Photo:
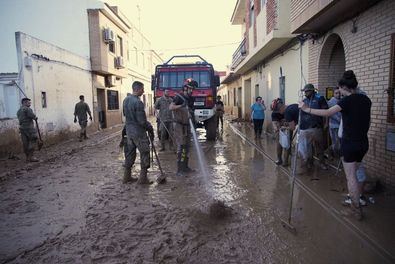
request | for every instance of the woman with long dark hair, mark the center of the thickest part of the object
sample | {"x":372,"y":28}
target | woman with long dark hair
{"x":355,"y":109}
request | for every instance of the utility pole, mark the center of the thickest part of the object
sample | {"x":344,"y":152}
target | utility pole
{"x":139,"y":16}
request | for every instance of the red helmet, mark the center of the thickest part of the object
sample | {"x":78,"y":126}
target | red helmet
{"x":190,"y":83}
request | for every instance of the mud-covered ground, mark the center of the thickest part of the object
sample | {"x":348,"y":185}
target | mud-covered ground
{"x":73,"y":208}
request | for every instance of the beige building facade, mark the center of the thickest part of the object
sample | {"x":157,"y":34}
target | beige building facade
{"x":120,"y":55}
{"x":359,"y":36}
{"x":94,"y":51}
{"x":270,"y":61}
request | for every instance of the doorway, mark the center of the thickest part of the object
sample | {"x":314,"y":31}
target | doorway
{"x":101,"y":107}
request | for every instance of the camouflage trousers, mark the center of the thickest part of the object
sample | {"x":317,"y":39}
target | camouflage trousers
{"x":83,"y":124}
{"x":182,"y":136}
{"x":165,"y":129}
{"x":142,"y":145}
{"x":29,"y":139}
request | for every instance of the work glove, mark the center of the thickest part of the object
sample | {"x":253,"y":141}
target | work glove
{"x":75,"y":120}
{"x":122,"y":143}
{"x":90,"y":118}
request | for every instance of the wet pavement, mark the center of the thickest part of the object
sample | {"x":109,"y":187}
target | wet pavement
{"x":73,"y":208}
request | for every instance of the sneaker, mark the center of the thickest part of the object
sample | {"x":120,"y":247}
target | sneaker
{"x":278,"y":162}
{"x":323,"y":166}
{"x":362,"y":200}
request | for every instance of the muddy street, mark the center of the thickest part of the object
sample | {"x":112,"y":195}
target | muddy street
{"x":73,"y":208}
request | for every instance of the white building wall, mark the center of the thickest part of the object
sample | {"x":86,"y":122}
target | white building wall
{"x":289,"y":61}
{"x":267,"y":77}
{"x":62,"y":23}
{"x":62,"y":75}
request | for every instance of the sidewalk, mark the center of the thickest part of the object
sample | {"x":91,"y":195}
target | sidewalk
{"x":376,"y":229}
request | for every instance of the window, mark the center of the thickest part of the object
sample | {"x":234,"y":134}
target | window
{"x":256,"y":90}
{"x":120,"y":45}
{"x":234,"y":97}
{"x":252,"y":16}
{"x":10,"y":101}
{"x":112,"y":100}
{"x":44,"y":99}
{"x":127,"y":51}
{"x":176,"y":79}
{"x":282,"y":87}
{"x":391,"y":85}
{"x":136,"y":59}
{"x":111,"y":47}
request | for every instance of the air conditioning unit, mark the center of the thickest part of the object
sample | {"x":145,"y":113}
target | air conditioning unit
{"x":109,"y":36}
{"x":119,"y":64}
{"x":111,"y":80}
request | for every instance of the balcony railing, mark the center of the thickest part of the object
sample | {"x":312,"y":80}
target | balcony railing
{"x":239,"y":54}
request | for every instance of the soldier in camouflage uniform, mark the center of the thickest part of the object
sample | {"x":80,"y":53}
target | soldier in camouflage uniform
{"x":81,"y":110}
{"x":182,"y":106}
{"x":165,"y":117}
{"x":26,"y":128}
{"x":136,"y":130}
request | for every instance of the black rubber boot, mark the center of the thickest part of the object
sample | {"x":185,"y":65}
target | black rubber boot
{"x":180,"y":171}
{"x":127,"y":176}
{"x":186,"y":167}
{"x":143,"y":179}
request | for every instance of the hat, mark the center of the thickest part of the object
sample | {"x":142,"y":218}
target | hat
{"x":308,"y":87}
{"x":25,"y":99}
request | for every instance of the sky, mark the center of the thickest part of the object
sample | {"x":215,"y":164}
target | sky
{"x":179,"y":27}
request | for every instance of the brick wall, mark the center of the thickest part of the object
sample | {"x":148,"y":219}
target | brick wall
{"x":298,"y":6}
{"x":271,"y":15}
{"x":247,"y":23}
{"x":331,"y":63}
{"x":367,"y":53}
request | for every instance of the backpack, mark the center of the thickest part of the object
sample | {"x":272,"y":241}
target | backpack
{"x":275,"y":103}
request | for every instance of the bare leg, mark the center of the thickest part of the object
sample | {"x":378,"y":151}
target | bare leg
{"x":350,"y":169}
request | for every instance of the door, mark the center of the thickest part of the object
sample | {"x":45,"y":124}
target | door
{"x":282,"y":87}
{"x":101,"y":107}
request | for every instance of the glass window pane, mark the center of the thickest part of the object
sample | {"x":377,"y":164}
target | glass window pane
{"x":195,"y":76}
{"x":180,"y":79}
{"x":173,"y":79}
{"x":188,"y":75}
{"x":164,"y":80}
{"x":204,"y":80}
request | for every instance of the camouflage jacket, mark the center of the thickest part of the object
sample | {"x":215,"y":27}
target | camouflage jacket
{"x":162,"y":104}
{"x":81,"y":110}
{"x":26,"y":116}
{"x":136,"y":120}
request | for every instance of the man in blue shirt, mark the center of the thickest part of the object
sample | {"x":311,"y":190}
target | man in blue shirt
{"x":311,"y":130}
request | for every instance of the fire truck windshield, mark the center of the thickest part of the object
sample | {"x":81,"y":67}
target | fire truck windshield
{"x":175,"y":80}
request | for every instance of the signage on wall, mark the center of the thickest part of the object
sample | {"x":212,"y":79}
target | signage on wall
{"x":329,"y":92}
{"x":390,"y":140}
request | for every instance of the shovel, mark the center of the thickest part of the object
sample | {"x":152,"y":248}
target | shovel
{"x":162,"y":177}
{"x":40,"y":142}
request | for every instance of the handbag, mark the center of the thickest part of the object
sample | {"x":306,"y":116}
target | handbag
{"x":284,"y":138}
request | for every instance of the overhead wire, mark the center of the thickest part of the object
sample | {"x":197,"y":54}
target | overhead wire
{"x":195,"y":48}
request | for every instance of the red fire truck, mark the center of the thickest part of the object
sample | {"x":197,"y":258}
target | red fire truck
{"x":171,"y":76}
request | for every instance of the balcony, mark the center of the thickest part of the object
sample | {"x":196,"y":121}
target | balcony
{"x":319,"y":16}
{"x":239,"y":54}
{"x":269,"y":33}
